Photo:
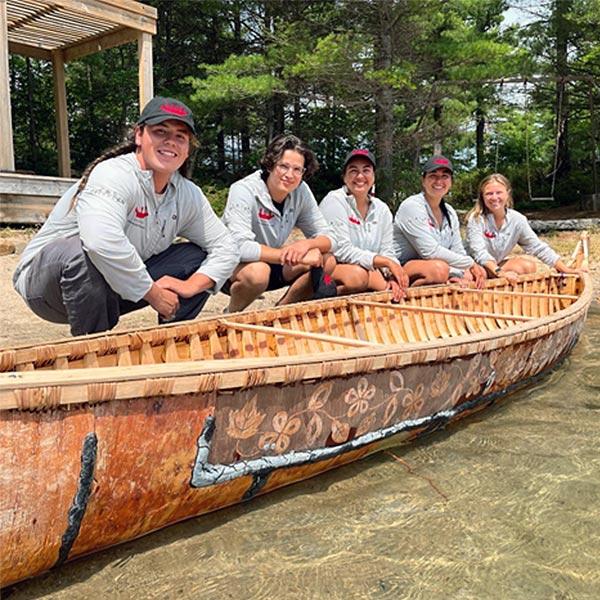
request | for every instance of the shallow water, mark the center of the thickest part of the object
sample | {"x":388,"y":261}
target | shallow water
{"x":504,"y":505}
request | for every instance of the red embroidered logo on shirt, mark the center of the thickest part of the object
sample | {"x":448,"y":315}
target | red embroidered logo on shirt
{"x":431,"y":223}
{"x":489,"y":234}
{"x":265,"y":214}
{"x":354,"y":220}
{"x":141,"y":213}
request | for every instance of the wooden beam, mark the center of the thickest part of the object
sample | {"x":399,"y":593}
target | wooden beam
{"x":522,"y":294}
{"x":332,"y":339}
{"x":31,"y":51}
{"x":146,"y":79}
{"x":62,"y":123}
{"x":127,"y":14}
{"x":99,"y":43}
{"x":444,"y":311}
{"x":34,"y":185}
{"x":133,"y":6}
{"x":7,"y":155}
{"x":32,"y":17}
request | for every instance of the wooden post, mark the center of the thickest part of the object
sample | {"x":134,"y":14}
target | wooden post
{"x":146,"y":80}
{"x":7,"y":155}
{"x":62,"y":123}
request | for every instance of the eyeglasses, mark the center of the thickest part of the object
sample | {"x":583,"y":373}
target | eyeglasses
{"x":283,"y":169}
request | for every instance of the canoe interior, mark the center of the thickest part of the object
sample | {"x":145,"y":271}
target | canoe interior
{"x":336,"y":323}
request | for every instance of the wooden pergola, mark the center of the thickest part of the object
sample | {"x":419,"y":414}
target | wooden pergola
{"x":61,"y":31}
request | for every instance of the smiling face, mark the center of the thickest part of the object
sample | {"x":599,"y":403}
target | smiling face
{"x":162,"y":149}
{"x":436,"y":184}
{"x":359,"y":177}
{"x":496,"y":197}
{"x":286,"y":175}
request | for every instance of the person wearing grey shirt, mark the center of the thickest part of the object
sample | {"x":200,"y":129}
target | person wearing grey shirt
{"x":107,"y":246}
{"x":427,"y":237}
{"x":262,"y":210}
{"x":363,"y":229}
{"x":494,"y":228}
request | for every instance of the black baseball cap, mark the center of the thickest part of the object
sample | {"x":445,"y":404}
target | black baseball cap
{"x":359,"y":153}
{"x":437,"y":162}
{"x":161,"y":109}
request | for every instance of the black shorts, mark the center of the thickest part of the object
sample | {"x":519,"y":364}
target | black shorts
{"x":276,"y":280}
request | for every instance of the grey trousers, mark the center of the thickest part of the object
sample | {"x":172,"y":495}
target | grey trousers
{"x":64,"y":286}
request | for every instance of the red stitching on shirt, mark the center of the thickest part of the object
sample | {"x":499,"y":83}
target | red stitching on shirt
{"x":141,"y":213}
{"x":353,"y":220}
{"x":265,"y":214}
{"x":489,"y":234}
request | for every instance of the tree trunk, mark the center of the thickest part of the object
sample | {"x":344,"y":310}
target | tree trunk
{"x":221,"y":164}
{"x":31,"y":121}
{"x":437,"y":119}
{"x":562,"y":163}
{"x":384,"y":105}
{"x":479,"y":136}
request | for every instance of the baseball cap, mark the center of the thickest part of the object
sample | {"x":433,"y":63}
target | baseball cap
{"x":161,"y":109}
{"x":359,"y":153}
{"x":437,"y":162}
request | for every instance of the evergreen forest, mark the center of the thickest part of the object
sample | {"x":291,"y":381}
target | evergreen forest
{"x":495,"y":85}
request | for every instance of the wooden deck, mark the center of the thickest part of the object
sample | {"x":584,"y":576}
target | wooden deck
{"x":28,"y":199}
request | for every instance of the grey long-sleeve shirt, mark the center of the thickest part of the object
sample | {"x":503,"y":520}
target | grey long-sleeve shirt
{"x":417,"y":235}
{"x":122,"y":223}
{"x":358,"y":240}
{"x":488,"y":243}
{"x":253,"y":219}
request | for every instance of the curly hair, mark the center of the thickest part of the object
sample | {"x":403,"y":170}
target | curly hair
{"x":480,"y":208}
{"x":125,"y":147}
{"x":278,"y":145}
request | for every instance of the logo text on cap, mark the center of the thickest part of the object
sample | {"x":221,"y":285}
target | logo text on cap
{"x":174,"y":109}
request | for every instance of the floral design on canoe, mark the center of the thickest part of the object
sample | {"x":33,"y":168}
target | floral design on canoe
{"x":263,"y":421}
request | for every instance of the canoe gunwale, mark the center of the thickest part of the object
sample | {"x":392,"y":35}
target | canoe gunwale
{"x":30,"y":390}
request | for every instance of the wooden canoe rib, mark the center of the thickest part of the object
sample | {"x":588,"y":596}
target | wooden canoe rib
{"x":199,"y":415}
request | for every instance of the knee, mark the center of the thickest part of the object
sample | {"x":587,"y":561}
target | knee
{"x":254,"y":276}
{"x":439,"y":271}
{"x":528,"y":267}
{"x":354,"y":279}
{"x":520,"y":266}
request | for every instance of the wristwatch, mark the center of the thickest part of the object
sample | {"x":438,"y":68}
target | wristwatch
{"x":497,"y":270}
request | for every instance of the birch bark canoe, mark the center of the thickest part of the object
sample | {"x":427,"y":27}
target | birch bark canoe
{"x":107,"y":437}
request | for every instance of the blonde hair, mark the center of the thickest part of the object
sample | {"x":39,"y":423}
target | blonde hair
{"x":480,"y":208}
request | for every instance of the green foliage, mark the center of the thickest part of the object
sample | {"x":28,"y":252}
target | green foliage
{"x":217,"y":196}
{"x":401,"y":77}
{"x":238,"y":79}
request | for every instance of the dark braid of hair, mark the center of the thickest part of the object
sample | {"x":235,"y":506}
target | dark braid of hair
{"x":123,"y":148}
{"x":126,"y":147}
{"x":444,"y":210}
